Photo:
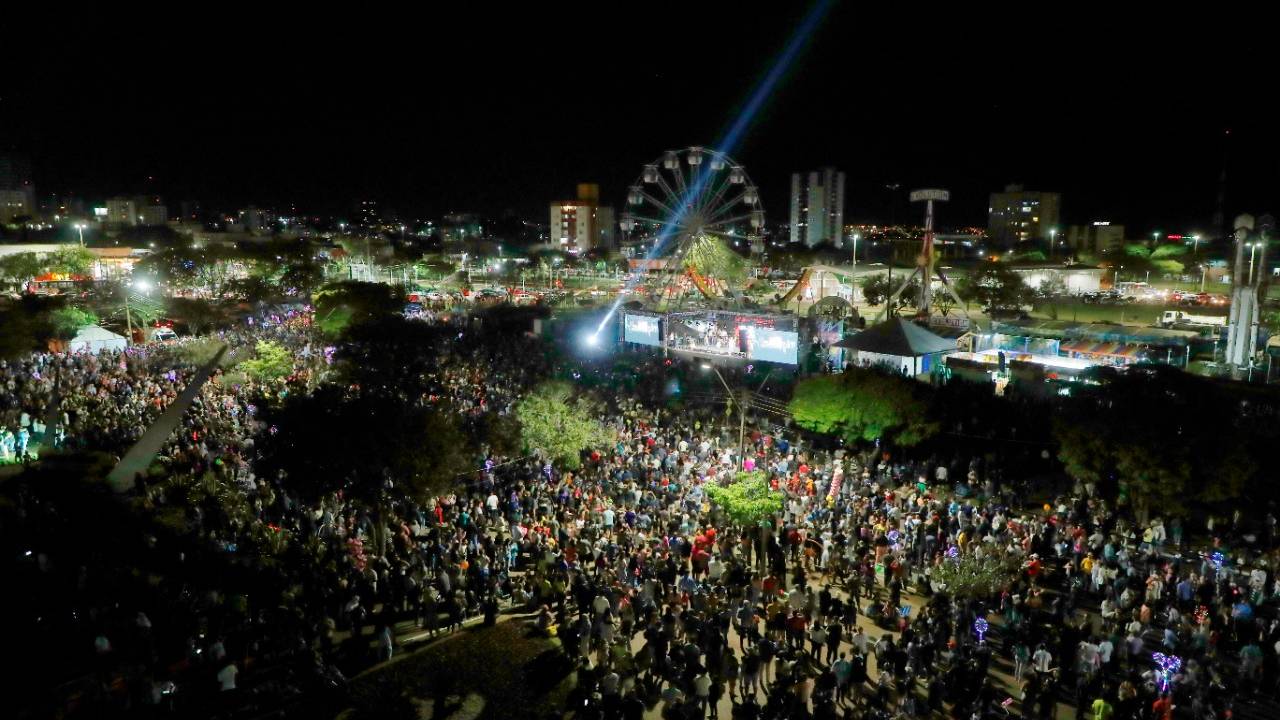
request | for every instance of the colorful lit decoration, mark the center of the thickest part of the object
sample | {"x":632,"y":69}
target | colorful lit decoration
{"x":1218,"y":559}
{"x":1202,"y":614}
{"x":980,"y":627}
{"x":953,"y":552}
{"x":1167,"y":666}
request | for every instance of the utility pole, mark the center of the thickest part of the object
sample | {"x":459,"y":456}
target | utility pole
{"x":742,"y":417}
{"x":128,"y":317}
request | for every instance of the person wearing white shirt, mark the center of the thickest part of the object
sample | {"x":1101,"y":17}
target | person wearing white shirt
{"x":715,"y":568}
{"x":1041,"y":660}
{"x":227,"y":677}
{"x":702,"y":689}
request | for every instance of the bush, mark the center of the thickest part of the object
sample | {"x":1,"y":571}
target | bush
{"x":271,"y":362}
{"x":748,"y":500}
{"x":969,"y":577}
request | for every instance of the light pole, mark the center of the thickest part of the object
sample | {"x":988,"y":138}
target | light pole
{"x":143,"y":286}
{"x":1053,"y":235}
{"x":742,"y":417}
{"x":1204,"y":269}
{"x":1253,"y":246}
{"x":80,"y":228}
{"x":856,"y":237}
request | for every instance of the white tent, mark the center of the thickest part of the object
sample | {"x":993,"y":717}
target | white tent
{"x":94,"y":339}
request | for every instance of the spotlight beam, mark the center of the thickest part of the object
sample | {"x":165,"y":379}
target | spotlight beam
{"x":729,"y":141}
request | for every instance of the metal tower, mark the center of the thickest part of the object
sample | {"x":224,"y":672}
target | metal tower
{"x":925,"y":268}
{"x":1246,"y":282}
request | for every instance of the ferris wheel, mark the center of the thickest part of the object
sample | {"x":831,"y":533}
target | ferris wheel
{"x":687,"y":194}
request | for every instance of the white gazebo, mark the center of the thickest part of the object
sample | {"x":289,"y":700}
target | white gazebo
{"x":94,"y":339}
{"x":899,"y":344}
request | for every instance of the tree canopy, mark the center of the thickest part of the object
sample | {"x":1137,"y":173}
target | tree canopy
{"x":970,"y":577}
{"x":996,"y":287}
{"x":330,"y":441}
{"x":877,"y":289}
{"x":343,"y":303}
{"x":271,"y":362}
{"x":28,"y":324}
{"x":864,"y":405}
{"x":748,"y":500}
{"x":711,"y":257}
{"x":560,"y":424}
{"x":20,"y":268}
{"x":1195,"y":439}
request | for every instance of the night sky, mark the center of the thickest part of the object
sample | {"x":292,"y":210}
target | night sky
{"x":504,"y":110}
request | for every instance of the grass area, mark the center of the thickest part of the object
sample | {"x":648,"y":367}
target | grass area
{"x":1135,"y":314}
{"x":516,"y":672}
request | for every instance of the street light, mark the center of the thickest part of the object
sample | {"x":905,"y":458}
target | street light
{"x":143,"y":286}
{"x":80,"y":228}
{"x":1053,"y":235}
{"x":856,"y":237}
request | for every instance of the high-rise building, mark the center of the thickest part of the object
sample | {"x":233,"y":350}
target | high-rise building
{"x":121,"y":211}
{"x":253,"y":220}
{"x":817,"y":208}
{"x":1017,"y":215}
{"x":191,"y":211}
{"x":17,"y":190}
{"x":13,"y":204}
{"x":583,"y":224}
{"x":153,"y":215}
{"x":1097,"y":237}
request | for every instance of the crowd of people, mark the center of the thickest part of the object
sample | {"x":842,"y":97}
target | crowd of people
{"x":838,"y":608}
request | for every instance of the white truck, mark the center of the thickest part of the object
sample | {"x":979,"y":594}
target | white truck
{"x":1178,"y":317}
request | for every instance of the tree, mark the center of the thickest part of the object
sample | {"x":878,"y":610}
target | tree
{"x":20,"y":268}
{"x":70,"y":260}
{"x":301,"y":277}
{"x":391,"y":354}
{"x":342,"y":303}
{"x":68,"y":320}
{"x":748,"y":500}
{"x":864,"y":405}
{"x":559,"y":425}
{"x":329,"y":441}
{"x":943,"y":303}
{"x":30,"y":322}
{"x":19,"y":333}
{"x":271,"y":362}
{"x":877,"y":289}
{"x":970,"y":577}
{"x":997,"y":288}
{"x":199,"y":315}
{"x":1196,"y":442}
{"x":711,"y":257}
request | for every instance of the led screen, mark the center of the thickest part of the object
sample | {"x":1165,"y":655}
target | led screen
{"x":771,"y":345}
{"x":641,"y":329}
